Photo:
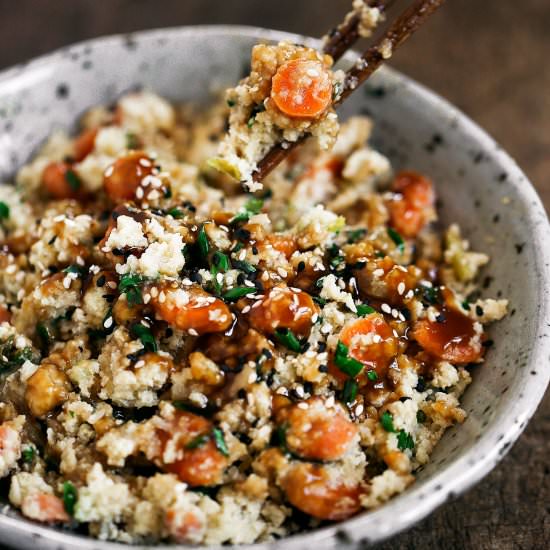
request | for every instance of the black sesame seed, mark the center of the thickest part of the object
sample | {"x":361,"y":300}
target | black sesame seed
{"x":479,"y":311}
{"x":109,"y":298}
{"x":301,"y":267}
{"x":321,"y":347}
{"x":308,"y":387}
{"x":241,"y":394}
{"x":323,"y":368}
{"x":255,"y":250}
{"x":118,"y":252}
{"x":519,"y":247}
{"x":100,"y":281}
{"x":441,"y":318}
{"x":169,"y":332}
{"x":62,"y":91}
{"x":241,"y":279}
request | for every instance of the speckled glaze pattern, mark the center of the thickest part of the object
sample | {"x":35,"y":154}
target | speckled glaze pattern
{"x":480,"y":187}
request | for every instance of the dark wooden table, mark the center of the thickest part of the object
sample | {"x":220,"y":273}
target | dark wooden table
{"x":490,"y":58}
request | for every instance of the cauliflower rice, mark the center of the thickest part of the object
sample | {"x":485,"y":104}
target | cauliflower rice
{"x":184,"y":362}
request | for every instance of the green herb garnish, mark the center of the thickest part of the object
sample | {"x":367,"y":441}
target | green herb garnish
{"x":132,"y":141}
{"x":198,"y":441}
{"x":387,"y":421}
{"x":243,"y":265}
{"x":145,"y":335}
{"x":27,"y":454}
{"x":372,"y":376}
{"x":421,"y":416}
{"x":237,"y":292}
{"x":404,"y":440}
{"x":4,"y":211}
{"x":364,"y":309}
{"x":221,"y":261}
{"x":288,"y":339}
{"x":44,"y":336}
{"x":397,"y":239}
{"x":252,"y":207}
{"x":345,"y":363}
{"x":70,"y":497}
{"x":73,"y":180}
{"x":349,"y":392}
{"x":355,"y":235}
{"x":175,"y":213}
{"x":130,"y":285}
{"x":219,"y":441}
{"x":202,"y":239}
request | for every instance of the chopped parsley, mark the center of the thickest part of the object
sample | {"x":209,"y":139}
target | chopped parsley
{"x":345,"y":363}
{"x":73,"y":180}
{"x":237,"y":292}
{"x":288,"y":339}
{"x":145,"y":335}
{"x":219,"y":441}
{"x":4,"y":211}
{"x":364,"y":309}
{"x":349,"y":392}
{"x":252,"y":207}
{"x":397,"y":239}
{"x":70,"y":497}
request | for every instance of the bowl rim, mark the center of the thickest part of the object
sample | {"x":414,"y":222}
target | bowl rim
{"x":416,"y":502}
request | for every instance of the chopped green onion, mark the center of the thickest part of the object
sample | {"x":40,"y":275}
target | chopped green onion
{"x":202,"y":239}
{"x":404,"y":440}
{"x":175,"y":213}
{"x":219,"y":441}
{"x":79,"y":270}
{"x":321,"y":301}
{"x":145,"y":335}
{"x":168,"y":192}
{"x":132,"y":141}
{"x":221,"y":261}
{"x":44,"y":335}
{"x":288,"y":339}
{"x":243,"y":265}
{"x":237,"y":292}
{"x":4,"y":211}
{"x":27,"y":454}
{"x":73,"y":180}
{"x":355,"y":235}
{"x":130,"y":285}
{"x":421,"y":416}
{"x":397,"y":239}
{"x":70,"y":496}
{"x":387,"y":421}
{"x":349,"y":393}
{"x":364,"y":309}
{"x":198,"y":441}
{"x":372,"y":376}
{"x":252,"y":207}
{"x":345,"y":363}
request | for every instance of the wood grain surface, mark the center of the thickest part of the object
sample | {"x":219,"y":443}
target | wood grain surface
{"x":490,"y":58}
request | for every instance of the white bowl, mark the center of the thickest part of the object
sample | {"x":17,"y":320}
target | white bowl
{"x":480,"y":187}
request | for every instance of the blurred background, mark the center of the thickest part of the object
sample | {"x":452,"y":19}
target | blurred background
{"x":488,"y":57}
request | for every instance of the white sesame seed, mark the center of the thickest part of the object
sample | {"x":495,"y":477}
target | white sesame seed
{"x":386,"y":308}
{"x":193,"y":332}
{"x":409,"y":295}
{"x":303,"y":405}
{"x":359,"y":410}
{"x":378,"y":272}
{"x":252,"y":378}
{"x":394,"y":313}
{"x":108,"y":323}
{"x":67,"y":282}
{"x":401,"y":288}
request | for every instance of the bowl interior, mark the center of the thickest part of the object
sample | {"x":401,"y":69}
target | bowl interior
{"x":479,"y":187}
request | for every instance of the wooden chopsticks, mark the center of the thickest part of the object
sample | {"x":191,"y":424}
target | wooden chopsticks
{"x":344,"y":36}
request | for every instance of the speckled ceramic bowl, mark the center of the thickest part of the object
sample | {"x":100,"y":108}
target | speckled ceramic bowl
{"x":479,"y":185}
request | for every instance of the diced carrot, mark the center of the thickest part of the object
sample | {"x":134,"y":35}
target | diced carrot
{"x":309,"y":488}
{"x":201,"y":464}
{"x":302,"y":88}
{"x":122,"y":178}
{"x":286,"y":244}
{"x":370,"y":340}
{"x":57,"y":181}
{"x":44,"y":507}
{"x":84,"y":144}
{"x":201,"y":312}
{"x":410,"y":213}
{"x":284,"y":307}
{"x":317,"y":433}
{"x":452,"y":338}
